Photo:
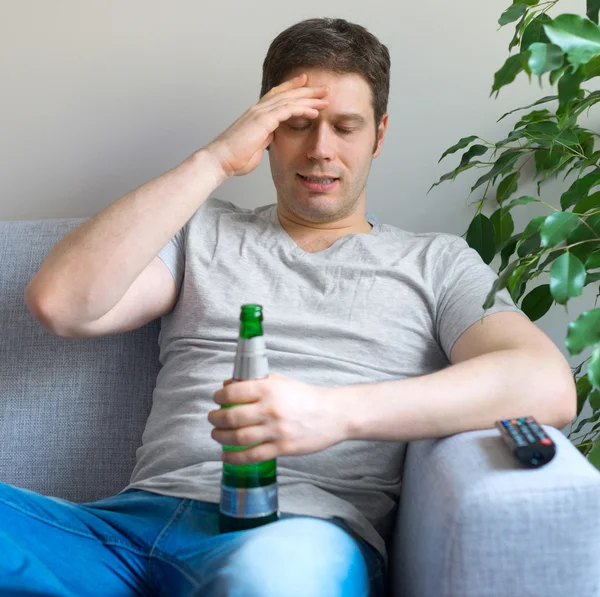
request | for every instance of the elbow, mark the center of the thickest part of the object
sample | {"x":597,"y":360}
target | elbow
{"x":565,"y":401}
{"x":39,"y":305}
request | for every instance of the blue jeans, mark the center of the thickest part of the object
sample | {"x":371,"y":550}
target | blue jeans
{"x":141,"y":543}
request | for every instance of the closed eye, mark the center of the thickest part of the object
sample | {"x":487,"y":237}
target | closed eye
{"x":340,"y":130}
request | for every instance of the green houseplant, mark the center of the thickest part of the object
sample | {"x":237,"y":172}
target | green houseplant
{"x":557,"y":254}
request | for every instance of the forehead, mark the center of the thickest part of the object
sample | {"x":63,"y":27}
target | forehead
{"x":348,"y":92}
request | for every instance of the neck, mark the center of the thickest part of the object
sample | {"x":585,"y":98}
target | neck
{"x":316,"y":236}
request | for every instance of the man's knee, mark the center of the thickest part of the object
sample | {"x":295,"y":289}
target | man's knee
{"x":304,"y":557}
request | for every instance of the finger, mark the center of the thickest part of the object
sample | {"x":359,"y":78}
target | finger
{"x":241,"y":392}
{"x":282,"y":113}
{"x":315,"y":103}
{"x":246,"y":436}
{"x":227,"y":382}
{"x":294,"y":94}
{"x":240,"y":416}
{"x":297,"y":81}
{"x":252,"y":455}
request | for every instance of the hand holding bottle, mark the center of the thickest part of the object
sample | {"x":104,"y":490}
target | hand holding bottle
{"x":277,"y":416}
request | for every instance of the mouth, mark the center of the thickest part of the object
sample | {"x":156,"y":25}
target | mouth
{"x":317,"y":183}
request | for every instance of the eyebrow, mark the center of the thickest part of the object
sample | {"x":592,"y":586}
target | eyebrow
{"x":351,"y":116}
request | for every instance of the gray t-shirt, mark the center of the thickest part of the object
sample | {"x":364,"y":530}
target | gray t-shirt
{"x":372,"y":307}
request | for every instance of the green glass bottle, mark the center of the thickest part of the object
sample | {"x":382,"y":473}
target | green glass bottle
{"x":249,"y":491}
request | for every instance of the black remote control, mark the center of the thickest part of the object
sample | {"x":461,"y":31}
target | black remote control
{"x":528,"y":442}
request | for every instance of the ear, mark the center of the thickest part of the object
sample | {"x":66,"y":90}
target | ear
{"x":380,"y":134}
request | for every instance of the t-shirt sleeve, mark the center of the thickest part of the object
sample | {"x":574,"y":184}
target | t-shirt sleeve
{"x":173,"y":256}
{"x":461,"y":285}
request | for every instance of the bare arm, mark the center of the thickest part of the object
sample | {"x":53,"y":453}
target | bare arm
{"x":502,"y":368}
{"x":88,"y":272}
{"x":105,"y":275}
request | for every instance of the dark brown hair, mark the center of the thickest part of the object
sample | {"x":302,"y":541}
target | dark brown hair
{"x":334,"y":45}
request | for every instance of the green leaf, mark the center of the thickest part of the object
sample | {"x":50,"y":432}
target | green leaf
{"x":594,"y":455}
{"x":593,"y":261}
{"x":551,"y":257}
{"x":474,"y":151}
{"x":512,"y":137}
{"x":555,"y":75}
{"x":454,"y":173}
{"x":583,"y":332}
{"x":587,"y":233}
{"x":579,"y":189}
{"x":583,"y":448}
{"x":544,"y":58}
{"x":587,"y":420}
{"x":592,"y":8}
{"x":547,"y":133}
{"x":534,"y":32}
{"x":460,"y":145}
{"x":583,"y":387}
{"x":592,"y":68}
{"x":529,"y":245}
{"x":595,"y":400}
{"x":587,"y":204}
{"x":509,"y":71}
{"x":585,"y":103}
{"x":544,"y":100}
{"x":517,"y":280}
{"x":505,"y":162}
{"x":562,"y":163}
{"x":537,"y":303}
{"x":507,"y":187}
{"x":582,"y":252}
{"x":535,"y":116}
{"x":480,"y":236}
{"x":508,"y":250}
{"x":503,"y":226}
{"x":545,"y":160}
{"x":577,"y":36}
{"x":515,"y":39}
{"x":534,"y":225}
{"x":590,"y":278}
{"x":593,"y":369}
{"x":521,"y":201}
{"x":569,"y":87}
{"x":499,"y":284}
{"x":512,"y":13}
{"x":557,"y":228}
{"x":567,"y":278}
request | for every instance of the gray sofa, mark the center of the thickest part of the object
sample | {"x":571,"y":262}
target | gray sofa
{"x":471,"y":521}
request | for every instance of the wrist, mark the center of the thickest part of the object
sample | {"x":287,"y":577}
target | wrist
{"x":205,"y":162}
{"x":346,"y":415}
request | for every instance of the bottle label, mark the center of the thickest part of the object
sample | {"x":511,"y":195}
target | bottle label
{"x":251,"y":359}
{"x":253,"y":502}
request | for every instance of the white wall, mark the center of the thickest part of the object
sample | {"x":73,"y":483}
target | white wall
{"x":98,"y":97}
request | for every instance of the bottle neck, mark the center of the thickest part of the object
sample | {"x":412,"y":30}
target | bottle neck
{"x":251,"y":327}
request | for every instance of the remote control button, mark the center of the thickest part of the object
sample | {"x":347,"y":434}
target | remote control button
{"x":528,"y":435}
{"x":546,"y":441}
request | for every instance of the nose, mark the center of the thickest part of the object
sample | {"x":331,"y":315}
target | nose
{"x":320,"y":143}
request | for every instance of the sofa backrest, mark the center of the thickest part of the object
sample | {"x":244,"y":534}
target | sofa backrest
{"x":72,"y":412}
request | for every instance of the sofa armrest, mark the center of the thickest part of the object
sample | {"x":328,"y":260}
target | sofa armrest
{"x":472,"y":521}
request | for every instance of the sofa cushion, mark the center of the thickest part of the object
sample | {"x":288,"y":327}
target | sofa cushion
{"x":72,"y":412}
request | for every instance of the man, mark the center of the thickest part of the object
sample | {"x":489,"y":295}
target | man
{"x":362,"y":321}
